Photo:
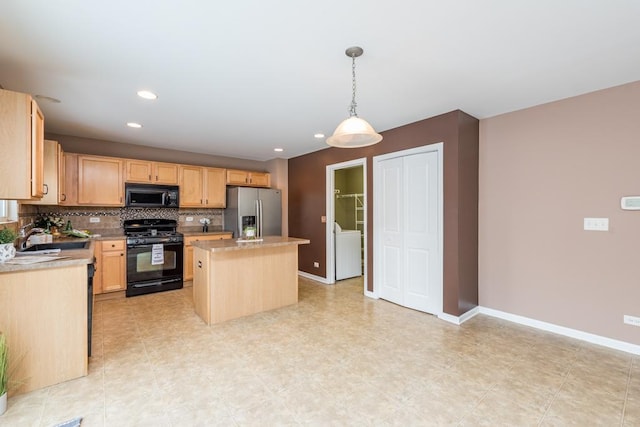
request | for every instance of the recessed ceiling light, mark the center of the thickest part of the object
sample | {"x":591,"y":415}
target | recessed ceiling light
{"x":319,"y":135}
{"x":134,"y":125}
{"x":47,"y":98}
{"x":279,"y":150}
{"x":146,"y":94}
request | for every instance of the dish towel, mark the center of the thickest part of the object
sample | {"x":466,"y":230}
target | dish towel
{"x":157,"y":254}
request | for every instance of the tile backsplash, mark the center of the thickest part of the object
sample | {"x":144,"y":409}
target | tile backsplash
{"x":112,"y":218}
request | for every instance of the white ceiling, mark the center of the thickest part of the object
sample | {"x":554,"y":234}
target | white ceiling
{"x":240,"y":78}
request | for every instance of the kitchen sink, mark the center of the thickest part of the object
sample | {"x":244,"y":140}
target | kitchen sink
{"x":57,"y":245}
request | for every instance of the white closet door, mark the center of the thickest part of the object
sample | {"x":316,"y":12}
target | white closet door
{"x":391,"y":274}
{"x":410,"y":261}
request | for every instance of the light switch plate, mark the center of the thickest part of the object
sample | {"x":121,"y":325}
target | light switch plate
{"x":189,"y":219}
{"x":94,"y":220}
{"x":596,"y":224}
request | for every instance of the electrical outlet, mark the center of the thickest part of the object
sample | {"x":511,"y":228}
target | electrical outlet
{"x":596,"y":224}
{"x":189,"y":219}
{"x":316,"y":264}
{"x":94,"y":220}
{"x":631,"y":320}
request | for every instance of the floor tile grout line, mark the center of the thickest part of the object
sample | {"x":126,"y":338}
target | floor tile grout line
{"x":555,"y":395}
{"x":626,"y":393}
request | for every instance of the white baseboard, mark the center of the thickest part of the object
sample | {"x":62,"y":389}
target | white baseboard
{"x":313,"y":277}
{"x":459,"y":320}
{"x":370,"y":294}
{"x":561,"y":330}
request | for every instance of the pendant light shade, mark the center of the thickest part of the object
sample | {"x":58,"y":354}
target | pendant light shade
{"x":354,"y":132}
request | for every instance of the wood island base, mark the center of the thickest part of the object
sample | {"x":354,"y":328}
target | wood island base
{"x":233,"y":279}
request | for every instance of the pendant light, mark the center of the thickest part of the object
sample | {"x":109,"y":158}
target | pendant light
{"x":354,"y":132}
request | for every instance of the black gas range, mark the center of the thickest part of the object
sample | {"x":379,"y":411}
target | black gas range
{"x":154,"y":256}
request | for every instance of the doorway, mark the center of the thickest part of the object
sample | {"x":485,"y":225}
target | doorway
{"x":408,"y":228}
{"x":346,"y":227}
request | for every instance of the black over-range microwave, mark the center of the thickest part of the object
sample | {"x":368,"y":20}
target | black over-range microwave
{"x":151,"y":196}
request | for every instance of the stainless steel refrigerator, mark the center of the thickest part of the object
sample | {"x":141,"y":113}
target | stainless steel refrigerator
{"x":253,"y":207}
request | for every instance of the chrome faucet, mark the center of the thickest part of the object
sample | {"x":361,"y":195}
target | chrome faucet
{"x":23,"y":235}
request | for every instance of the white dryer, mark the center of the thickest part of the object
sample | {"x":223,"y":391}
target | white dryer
{"x":348,"y":253}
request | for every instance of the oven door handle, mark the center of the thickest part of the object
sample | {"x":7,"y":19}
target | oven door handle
{"x":150,"y":245}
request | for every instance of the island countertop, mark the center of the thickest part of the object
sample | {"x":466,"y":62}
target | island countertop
{"x":235,"y":245}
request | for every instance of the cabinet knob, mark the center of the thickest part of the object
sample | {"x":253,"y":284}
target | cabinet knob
{"x":46,"y":189}
{"x":113,"y":245}
{"x":64,"y":197}
{"x":149,"y":177}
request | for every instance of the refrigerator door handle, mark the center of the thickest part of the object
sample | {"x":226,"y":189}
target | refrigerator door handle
{"x":259,"y":220}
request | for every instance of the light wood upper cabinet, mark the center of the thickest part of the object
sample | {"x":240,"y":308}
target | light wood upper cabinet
{"x":151,"y":172}
{"x":202,"y":187}
{"x":100,"y":181}
{"x":68,"y":182}
{"x":215,"y":189}
{"x":248,"y":178}
{"x":191,"y":185}
{"x":51,"y":175}
{"x":22,"y":147}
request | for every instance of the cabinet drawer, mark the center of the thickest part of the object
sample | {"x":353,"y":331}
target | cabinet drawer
{"x":189,"y":240}
{"x":112,"y":245}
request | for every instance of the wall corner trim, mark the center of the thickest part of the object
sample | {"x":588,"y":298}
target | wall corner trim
{"x":561,"y":330}
{"x":459,"y":320}
{"x":314,"y":277}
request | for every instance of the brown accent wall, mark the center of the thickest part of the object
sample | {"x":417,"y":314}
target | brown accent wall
{"x":459,"y":133}
{"x":542,"y":171}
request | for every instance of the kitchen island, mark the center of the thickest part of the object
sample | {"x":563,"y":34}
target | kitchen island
{"x":234,"y":278}
{"x":43,"y":313}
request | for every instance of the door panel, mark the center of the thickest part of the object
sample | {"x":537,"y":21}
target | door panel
{"x":409,"y":197}
{"x":272,"y":212}
{"x":392,"y":200}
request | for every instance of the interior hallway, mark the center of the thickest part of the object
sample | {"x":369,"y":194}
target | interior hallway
{"x":337,"y":358}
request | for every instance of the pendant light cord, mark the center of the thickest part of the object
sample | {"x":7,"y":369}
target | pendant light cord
{"x":352,"y":108}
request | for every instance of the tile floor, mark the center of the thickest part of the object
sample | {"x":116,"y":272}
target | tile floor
{"x":336,"y":358}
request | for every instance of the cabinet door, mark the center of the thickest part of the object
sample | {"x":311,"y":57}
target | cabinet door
{"x":260,"y":179}
{"x":51,"y":175}
{"x":187,"y":269}
{"x":138,"y":171}
{"x":237,"y":177}
{"x":113,"y":265}
{"x":100,"y":181}
{"x":215,"y":188}
{"x":191,"y":185}
{"x":69,"y":178}
{"x":165,"y":173}
{"x":37,"y":151}
{"x":113,"y":271}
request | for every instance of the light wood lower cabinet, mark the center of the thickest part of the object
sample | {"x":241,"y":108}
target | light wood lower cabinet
{"x":43,"y":314}
{"x":111,"y":267}
{"x":188,"y":252}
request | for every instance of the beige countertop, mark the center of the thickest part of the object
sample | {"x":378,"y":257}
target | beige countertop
{"x":234,"y":245}
{"x":197,"y":231}
{"x":64,"y":258}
